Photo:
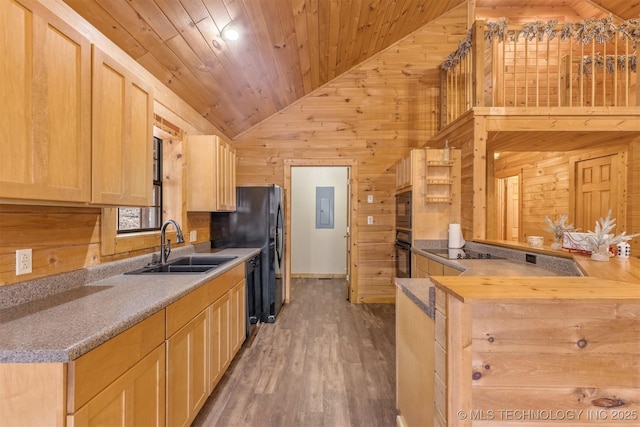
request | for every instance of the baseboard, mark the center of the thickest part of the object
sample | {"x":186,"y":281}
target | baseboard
{"x":317,"y":276}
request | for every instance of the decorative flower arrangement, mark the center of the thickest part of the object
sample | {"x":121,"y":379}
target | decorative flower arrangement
{"x":601,"y":239}
{"x":558,"y":228}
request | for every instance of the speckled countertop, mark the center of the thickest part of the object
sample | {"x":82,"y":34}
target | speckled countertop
{"x":421,"y":291}
{"x":64,"y":326}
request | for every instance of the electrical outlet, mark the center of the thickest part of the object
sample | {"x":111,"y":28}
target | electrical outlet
{"x":370,"y":220}
{"x":193,"y":236}
{"x":23,"y":261}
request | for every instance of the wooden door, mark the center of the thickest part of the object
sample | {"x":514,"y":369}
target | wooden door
{"x":596,"y":190}
{"x":45,"y":113}
{"x":508,"y":215}
{"x":187,"y":380}
{"x":512,"y":205}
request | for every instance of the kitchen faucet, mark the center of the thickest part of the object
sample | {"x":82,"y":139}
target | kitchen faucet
{"x":165,"y":249}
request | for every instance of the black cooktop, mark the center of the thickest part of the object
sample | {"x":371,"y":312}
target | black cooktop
{"x":461,"y":254}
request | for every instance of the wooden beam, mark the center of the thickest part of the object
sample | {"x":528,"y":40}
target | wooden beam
{"x":480,"y":178}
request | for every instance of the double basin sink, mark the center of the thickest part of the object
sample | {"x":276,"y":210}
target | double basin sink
{"x":198,"y":263}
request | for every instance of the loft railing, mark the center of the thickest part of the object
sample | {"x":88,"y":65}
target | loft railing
{"x":591,"y":63}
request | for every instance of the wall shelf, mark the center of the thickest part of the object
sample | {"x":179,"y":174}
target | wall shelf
{"x":440,"y":175}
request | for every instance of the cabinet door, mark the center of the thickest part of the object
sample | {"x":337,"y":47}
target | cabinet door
{"x":201,"y":152}
{"x":219,"y":351}
{"x":450,"y":271}
{"x":122,"y":159}
{"x":187,"y":353}
{"x":226,"y":177}
{"x":45,"y":87}
{"x":415,"y":363}
{"x":420,"y":267}
{"x":135,"y":399}
{"x":436,"y":268}
{"x":211,"y":174}
{"x":238,"y":315}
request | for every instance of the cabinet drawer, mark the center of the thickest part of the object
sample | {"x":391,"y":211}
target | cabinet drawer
{"x":186,"y":308}
{"x":92,"y":372}
{"x":218,"y":287}
{"x":235,"y":275}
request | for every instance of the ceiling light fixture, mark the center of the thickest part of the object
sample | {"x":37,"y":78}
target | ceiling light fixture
{"x":230,"y":32}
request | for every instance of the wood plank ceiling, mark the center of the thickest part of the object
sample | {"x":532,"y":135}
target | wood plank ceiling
{"x":287,"y":49}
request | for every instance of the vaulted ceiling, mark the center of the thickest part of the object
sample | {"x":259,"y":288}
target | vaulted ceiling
{"x":287,"y":49}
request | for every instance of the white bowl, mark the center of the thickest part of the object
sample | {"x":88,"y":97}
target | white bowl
{"x":535,"y":241}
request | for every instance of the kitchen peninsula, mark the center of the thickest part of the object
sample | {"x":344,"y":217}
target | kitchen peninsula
{"x":552,"y":349}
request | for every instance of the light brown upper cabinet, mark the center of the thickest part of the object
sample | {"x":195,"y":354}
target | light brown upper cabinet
{"x":211,"y":174}
{"x":404,"y":168}
{"x":45,"y":87}
{"x":122,"y":135}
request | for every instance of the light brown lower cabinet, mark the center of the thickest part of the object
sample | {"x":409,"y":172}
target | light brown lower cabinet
{"x":414,"y":364}
{"x":158,"y":372}
{"x":122,"y":381}
{"x":187,"y":385}
{"x":237,"y":295}
{"x":423,"y":267}
{"x":137,"y":398}
{"x":202,"y":349}
{"x":219,"y":351}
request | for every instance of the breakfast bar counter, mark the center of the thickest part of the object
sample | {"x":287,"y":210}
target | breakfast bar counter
{"x":511,"y":342}
{"x":539,"y":348}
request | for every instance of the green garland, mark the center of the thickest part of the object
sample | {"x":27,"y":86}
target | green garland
{"x":601,"y":30}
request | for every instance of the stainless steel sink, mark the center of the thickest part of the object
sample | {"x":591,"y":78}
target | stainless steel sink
{"x":193,"y":264}
{"x":197,"y":259}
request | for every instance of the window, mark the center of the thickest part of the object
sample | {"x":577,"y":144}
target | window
{"x":132,"y":219}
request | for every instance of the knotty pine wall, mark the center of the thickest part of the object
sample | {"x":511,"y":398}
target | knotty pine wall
{"x":545,"y":187}
{"x":374,"y":114}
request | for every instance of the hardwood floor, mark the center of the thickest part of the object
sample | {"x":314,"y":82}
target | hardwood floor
{"x":324,"y":362}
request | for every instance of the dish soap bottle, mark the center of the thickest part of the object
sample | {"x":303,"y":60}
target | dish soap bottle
{"x":447,"y":151}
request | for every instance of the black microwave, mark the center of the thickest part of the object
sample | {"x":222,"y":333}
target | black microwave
{"x":403,"y":210}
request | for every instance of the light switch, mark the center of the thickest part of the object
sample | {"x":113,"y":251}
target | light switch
{"x":193,"y":235}
{"x":370,"y":198}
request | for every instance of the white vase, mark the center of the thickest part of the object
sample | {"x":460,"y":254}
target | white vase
{"x":557,"y":243}
{"x":602,"y":254}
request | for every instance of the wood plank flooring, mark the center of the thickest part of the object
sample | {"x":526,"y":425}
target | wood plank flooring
{"x":324,"y":362}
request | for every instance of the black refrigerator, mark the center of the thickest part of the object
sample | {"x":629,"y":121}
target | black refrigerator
{"x":258,"y":222}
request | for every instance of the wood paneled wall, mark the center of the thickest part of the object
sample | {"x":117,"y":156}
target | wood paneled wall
{"x":374,"y":114}
{"x":545,"y":187}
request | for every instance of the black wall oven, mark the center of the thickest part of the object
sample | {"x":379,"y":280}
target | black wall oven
{"x":403,"y":234}
{"x":403,"y":211}
{"x":403,"y":253}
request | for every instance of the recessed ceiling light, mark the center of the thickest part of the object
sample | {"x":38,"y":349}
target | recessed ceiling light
{"x":230,"y":32}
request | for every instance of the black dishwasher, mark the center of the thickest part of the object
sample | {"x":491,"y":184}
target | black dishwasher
{"x":254,"y":292}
